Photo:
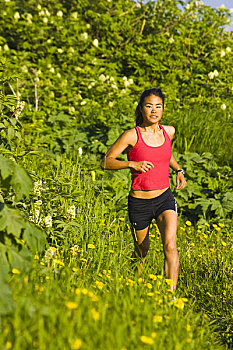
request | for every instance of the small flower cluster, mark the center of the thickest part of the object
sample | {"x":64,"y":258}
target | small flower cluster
{"x":127,"y":82}
{"x":39,"y":188}
{"x":19,"y":108}
{"x":213,"y":74}
{"x":71,"y":211}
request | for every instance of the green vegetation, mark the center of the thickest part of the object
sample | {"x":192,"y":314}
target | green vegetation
{"x":71,"y":73}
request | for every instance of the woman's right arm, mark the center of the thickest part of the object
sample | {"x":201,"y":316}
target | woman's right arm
{"x":109,"y":162}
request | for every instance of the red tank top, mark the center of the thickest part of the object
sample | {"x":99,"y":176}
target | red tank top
{"x":157,"y":177}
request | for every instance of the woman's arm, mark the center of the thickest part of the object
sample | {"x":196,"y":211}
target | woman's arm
{"x":180,"y":180}
{"x":109,"y":162}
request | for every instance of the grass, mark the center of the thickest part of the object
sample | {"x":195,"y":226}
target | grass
{"x":84,"y":294}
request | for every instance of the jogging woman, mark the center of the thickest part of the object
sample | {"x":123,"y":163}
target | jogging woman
{"x":149,"y":154}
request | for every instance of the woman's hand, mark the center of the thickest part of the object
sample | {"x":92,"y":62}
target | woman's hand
{"x":142,"y":166}
{"x":180,"y":181}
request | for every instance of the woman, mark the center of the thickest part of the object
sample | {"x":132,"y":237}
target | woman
{"x":149,"y":157}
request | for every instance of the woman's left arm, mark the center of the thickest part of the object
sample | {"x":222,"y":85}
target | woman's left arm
{"x":180,"y":180}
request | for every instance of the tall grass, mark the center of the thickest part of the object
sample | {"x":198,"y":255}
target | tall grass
{"x":84,"y":293}
{"x":201,"y":131}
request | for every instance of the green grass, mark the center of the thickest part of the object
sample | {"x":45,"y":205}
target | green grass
{"x":85,"y":294}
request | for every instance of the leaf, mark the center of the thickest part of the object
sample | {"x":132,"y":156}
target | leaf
{"x":6,"y":167}
{"x":11,"y":221}
{"x":34,"y":238}
{"x":6,"y":300}
{"x":21,"y":182}
{"x":20,"y":260}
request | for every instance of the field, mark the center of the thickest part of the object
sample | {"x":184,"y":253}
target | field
{"x":71,"y":74}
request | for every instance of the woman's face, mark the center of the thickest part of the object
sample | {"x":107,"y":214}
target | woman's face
{"x":152,"y":109}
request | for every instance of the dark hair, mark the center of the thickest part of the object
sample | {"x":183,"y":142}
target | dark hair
{"x":146,"y":93}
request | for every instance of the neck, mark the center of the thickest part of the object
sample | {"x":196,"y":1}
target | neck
{"x":151,"y":128}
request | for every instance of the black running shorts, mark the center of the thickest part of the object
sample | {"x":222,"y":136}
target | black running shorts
{"x":141,"y":211}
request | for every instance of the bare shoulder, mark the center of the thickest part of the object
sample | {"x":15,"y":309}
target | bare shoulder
{"x":130,"y":136}
{"x":170,"y":130}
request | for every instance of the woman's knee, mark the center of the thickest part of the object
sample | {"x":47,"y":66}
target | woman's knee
{"x":170,"y":248}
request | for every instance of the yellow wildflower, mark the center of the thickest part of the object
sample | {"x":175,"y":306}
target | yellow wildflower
{"x":76,"y":344}
{"x":157,"y":318}
{"x":153,"y":277}
{"x":77,"y":291}
{"x":99,"y":284}
{"x":95,"y":314}
{"x":93,"y":296}
{"x":36,"y":257}
{"x":212,"y":250}
{"x":188,"y":327}
{"x":146,"y":340}
{"x":160,"y":277}
{"x":84,"y":291}
{"x":214,"y":225}
{"x":224,"y":243}
{"x":71,"y":305}
{"x":59,"y":262}
{"x":82,"y":259}
{"x":8,"y":345}
{"x":91,"y":246}
{"x":188,"y":340}
{"x":111,"y":251}
{"x":148,"y":285}
{"x":42,"y":263}
{"x":150,"y":294}
{"x":218,"y":229}
{"x":15,"y":271}
{"x":169,"y":282}
{"x":121,"y":219}
{"x":74,"y":269}
{"x":220,"y":224}
{"x":153,"y":334}
{"x":206,"y":224}
{"x":188,"y":223}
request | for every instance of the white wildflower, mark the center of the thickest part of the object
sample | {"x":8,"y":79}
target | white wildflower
{"x":38,"y":188}
{"x":187,"y":6}
{"x":29,"y":18}
{"x":138,"y":5}
{"x":88,"y":26}
{"x":102,"y":78}
{"x":60,"y":50}
{"x":47,"y":13}
{"x":58,"y":75}
{"x":24,"y":69}
{"x":71,"y":211}
{"x":130,"y":81}
{"x":45,"y":20}
{"x":52,"y":70}
{"x":38,"y":204}
{"x":83,"y":103}
{"x":96,"y":42}
{"x":49,"y":253}
{"x":171,"y":40}
{"x":223,"y":106}
{"x":231,"y":10}
{"x":215,"y":73}
{"x":48,"y":221}
{"x":211,"y":75}
{"x":74,"y":15}
{"x":228,"y":49}
{"x":111,"y":104}
{"x":126,"y":83}
{"x":80,"y":151}
{"x":114,"y":86}
{"x":84,"y":36}
{"x":39,"y":7}
{"x":222,"y":7}
{"x":6,"y":47}
{"x":222,"y":53}
{"x":41,"y":13}
{"x":71,"y":110}
{"x":16,"y":15}
{"x":59,"y":13}
{"x":90,"y":86}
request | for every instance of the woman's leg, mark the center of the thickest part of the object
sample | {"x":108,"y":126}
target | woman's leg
{"x":167,"y":224}
{"x":141,"y":243}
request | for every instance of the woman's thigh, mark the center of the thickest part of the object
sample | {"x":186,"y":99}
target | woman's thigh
{"x":167,"y":224}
